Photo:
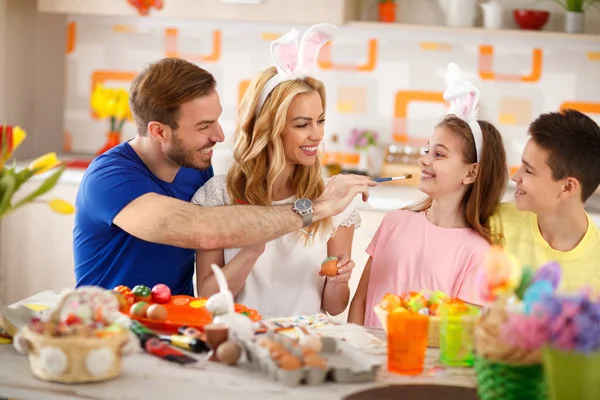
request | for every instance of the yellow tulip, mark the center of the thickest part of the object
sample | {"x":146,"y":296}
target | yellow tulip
{"x":61,"y":206}
{"x":44,"y":163}
{"x":122,"y":109}
{"x":18,"y":136}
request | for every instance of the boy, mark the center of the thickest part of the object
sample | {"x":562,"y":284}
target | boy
{"x":560,"y":170}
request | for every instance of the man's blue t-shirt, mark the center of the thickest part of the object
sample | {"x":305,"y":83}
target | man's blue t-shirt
{"x":107,"y":256}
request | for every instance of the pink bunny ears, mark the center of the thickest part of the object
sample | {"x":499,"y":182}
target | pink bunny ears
{"x":295,"y":61}
{"x":464,"y":100}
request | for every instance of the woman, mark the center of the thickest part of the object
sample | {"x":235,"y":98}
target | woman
{"x":276,"y":162}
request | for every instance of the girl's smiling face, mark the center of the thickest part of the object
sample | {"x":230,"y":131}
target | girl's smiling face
{"x":443,"y":169}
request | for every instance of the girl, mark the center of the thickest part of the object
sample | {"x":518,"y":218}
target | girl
{"x":438,"y":243}
{"x":281,"y":124}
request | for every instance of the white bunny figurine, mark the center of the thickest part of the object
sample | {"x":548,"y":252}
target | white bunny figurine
{"x":222,"y":306}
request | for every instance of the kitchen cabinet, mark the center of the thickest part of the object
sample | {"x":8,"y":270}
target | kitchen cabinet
{"x":36,"y":248}
{"x":279,"y":11}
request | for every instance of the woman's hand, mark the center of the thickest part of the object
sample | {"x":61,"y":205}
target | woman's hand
{"x":345,"y":266}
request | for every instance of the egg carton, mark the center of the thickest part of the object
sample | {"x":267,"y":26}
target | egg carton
{"x":343,"y":363}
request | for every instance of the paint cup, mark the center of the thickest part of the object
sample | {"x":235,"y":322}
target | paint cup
{"x":457,"y":337}
{"x":215,"y":335}
{"x":407,"y":342}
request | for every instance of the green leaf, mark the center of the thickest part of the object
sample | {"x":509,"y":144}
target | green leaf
{"x":45,"y":187}
{"x":8,"y":184}
{"x":23,"y":176}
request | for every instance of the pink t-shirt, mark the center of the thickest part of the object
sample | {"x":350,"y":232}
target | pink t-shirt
{"x":412,"y":254}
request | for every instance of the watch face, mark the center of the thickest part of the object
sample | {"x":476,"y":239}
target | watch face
{"x":303,"y":204}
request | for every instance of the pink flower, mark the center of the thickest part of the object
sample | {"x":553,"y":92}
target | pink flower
{"x":525,"y":332}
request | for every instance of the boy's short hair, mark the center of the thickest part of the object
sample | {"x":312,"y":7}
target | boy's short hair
{"x":572,"y":140}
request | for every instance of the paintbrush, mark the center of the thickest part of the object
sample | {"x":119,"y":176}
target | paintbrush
{"x":393,"y":178}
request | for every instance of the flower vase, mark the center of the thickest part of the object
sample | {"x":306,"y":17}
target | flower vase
{"x":574,"y":22}
{"x":501,"y":381}
{"x":363,"y":160}
{"x":571,"y":375}
{"x":387,"y":11}
{"x":113,"y":139}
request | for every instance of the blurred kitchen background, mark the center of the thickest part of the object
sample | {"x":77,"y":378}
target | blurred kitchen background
{"x":384,"y":73}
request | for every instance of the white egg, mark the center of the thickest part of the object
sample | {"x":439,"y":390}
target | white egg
{"x":312,"y":342}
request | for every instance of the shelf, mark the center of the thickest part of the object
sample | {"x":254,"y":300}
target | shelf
{"x":475,"y":30}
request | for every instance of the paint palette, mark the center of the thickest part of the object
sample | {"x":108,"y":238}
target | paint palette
{"x":188,"y":311}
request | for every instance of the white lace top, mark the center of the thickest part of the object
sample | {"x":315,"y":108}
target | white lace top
{"x":284,"y":280}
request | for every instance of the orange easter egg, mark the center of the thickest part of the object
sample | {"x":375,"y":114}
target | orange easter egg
{"x":329,"y":266}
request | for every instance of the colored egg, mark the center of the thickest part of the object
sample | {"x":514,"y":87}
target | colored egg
{"x":121,"y":300}
{"x":161,"y":294}
{"x":329,"y":266}
{"x":126,"y":292}
{"x":289,"y":362}
{"x":139,"y":309}
{"x":157,"y":312}
{"x":314,"y":361}
{"x":229,"y":353}
{"x":142,"y":293}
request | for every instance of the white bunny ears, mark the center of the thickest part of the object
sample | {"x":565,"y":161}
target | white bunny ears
{"x":464,"y":100}
{"x":295,"y":61}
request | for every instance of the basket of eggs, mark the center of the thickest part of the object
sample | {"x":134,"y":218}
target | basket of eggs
{"x":81,"y":339}
{"x":425,"y":303}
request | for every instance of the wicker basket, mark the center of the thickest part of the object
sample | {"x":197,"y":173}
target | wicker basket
{"x":74,"y":359}
{"x":433,"y":336}
{"x":499,"y":381}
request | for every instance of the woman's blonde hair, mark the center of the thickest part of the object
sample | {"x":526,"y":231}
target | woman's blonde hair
{"x":252,"y":176}
{"x":483,"y":196}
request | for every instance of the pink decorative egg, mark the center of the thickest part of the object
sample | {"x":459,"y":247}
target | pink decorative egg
{"x":161,"y":294}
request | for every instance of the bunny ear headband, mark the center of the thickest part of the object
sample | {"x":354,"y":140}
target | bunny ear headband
{"x":464,"y":99}
{"x":293,"y":61}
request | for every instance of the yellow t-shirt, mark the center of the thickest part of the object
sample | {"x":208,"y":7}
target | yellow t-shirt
{"x":523,"y":239}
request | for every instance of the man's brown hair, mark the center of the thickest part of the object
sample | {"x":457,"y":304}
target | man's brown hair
{"x":159,"y":90}
{"x":572,"y":140}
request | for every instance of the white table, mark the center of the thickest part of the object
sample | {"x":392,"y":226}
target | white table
{"x":145,"y":377}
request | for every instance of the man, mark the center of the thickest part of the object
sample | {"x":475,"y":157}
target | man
{"x":134,"y":223}
{"x":560,"y":170}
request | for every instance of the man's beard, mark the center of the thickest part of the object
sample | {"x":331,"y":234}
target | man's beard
{"x":185,"y":158}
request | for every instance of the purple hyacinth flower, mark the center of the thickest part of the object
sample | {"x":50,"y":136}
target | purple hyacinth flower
{"x":550,"y":272}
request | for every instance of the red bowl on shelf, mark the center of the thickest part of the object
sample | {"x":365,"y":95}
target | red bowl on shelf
{"x":531,"y":19}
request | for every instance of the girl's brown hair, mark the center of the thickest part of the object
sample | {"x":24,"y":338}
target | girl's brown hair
{"x":252,"y":176}
{"x":483,"y":196}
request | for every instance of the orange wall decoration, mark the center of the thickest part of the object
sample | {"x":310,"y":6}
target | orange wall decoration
{"x":340,"y":158}
{"x":172,"y":47}
{"x":403,"y":98}
{"x":325,"y":61}
{"x":594,"y":55}
{"x":486,"y":66}
{"x":436,"y":46}
{"x":584,"y":107}
{"x":103,"y":76}
{"x":243,"y":86}
{"x":71,"y":37}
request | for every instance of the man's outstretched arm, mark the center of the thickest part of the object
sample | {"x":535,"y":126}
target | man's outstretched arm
{"x":161,"y":219}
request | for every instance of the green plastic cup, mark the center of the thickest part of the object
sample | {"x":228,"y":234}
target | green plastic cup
{"x":571,"y":375}
{"x":457,"y":338}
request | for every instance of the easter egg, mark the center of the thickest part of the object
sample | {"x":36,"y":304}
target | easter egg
{"x":157,"y":312}
{"x":390,"y":301}
{"x":229,"y":353}
{"x":126,"y":292}
{"x":161,"y":294}
{"x":329,"y":266}
{"x":121,"y":300}
{"x":416,"y":303}
{"x":139,"y":309}
{"x":437,"y":297}
{"x":142,"y":293}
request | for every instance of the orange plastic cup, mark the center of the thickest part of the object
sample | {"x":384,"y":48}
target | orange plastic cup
{"x":407,"y":342}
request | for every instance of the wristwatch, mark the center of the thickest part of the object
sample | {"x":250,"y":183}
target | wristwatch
{"x":304,"y":208}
